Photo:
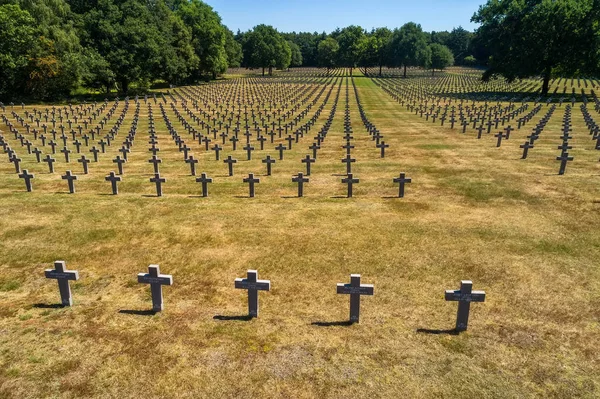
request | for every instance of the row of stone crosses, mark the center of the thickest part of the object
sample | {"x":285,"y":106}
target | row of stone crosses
{"x":477,"y":116}
{"x":300,"y":178}
{"x":464,"y":296}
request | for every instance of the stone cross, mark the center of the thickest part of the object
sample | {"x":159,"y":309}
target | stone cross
{"x":464,"y":296}
{"x":281,"y":148}
{"x":402,"y":180}
{"x":63,"y":276}
{"x":500,"y":136}
{"x":249,"y":150}
{"x":192,"y":161}
{"x":269,"y":161}
{"x":308,"y":160}
{"x":70,"y":178}
{"x":348,"y":161}
{"x":204,"y":180}
{"x":251,"y":180}
{"x":119,"y":161}
{"x":155,"y":162}
{"x":525,"y":148}
{"x":230,"y":161}
{"x":84,"y":161}
{"x":355,"y":289}
{"x":158,"y":181}
{"x":156,"y":281}
{"x":382,"y":146}
{"x":300,"y":179}
{"x":253,"y":285}
{"x":564,"y":158}
{"x":113,"y":179}
{"x":27,"y":177}
{"x":50,"y":162}
{"x":350,"y":180}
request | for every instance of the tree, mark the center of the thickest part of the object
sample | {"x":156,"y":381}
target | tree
{"x":17,"y":36}
{"x":55,"y":64}
{"x":296,"y":59}
{"x":328,"y":53}
{"x":233,"y":50}
{"x":459,"y":41}
{"x":539,"y":37}
{"x":265,"y":48}
{"x":208,"y":35}
{"x":409,"y":46}
{"x":178,"y":58}
{"x":441,"y":57}
{"x":349,"y":40}
{"x":375,"y":48}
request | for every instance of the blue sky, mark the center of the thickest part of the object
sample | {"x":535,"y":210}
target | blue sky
{"x":326,"y":15}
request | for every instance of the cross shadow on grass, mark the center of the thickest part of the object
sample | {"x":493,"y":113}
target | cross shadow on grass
{"x":236,"y":318}
{"x":452,"y":331}
{"x":344,"y":323}
{"x":138,"y":312}
{"x":49,"y":305}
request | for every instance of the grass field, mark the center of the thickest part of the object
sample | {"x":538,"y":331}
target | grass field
{"x":525,"y":235}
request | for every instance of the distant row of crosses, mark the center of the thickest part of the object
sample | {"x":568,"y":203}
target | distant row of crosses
{"x":300,"y":179}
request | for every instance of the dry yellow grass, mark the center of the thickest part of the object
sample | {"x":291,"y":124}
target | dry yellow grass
{"x":526,"y":236}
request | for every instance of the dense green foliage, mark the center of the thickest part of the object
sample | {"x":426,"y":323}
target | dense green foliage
{"x":540,"y":38}
{"x":49,"y":48}
{"x":440,"y":57}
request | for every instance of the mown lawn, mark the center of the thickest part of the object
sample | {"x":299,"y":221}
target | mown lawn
{"x":525,"y":235}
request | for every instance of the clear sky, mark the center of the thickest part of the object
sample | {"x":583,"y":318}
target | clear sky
{"x":326,"y":15}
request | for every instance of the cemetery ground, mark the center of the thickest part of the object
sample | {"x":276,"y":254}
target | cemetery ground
{"x":519,"y":231}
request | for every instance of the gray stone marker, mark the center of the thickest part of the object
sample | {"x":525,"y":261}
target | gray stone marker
{"x":113,"y":179}
{"x":62,"y":275}
{"x":156,"y":281}
{"x":564,"y":158}
{"x":350,"y":181}
{"x":525,"y":148}
{"x":204,"y":180}
{"x":269,"y":161}
{"x":192,"y":161}
{"x":402,"y":180}
{"x":253,"y":285}
{"x":355,"y":289}
{"x":158,"y":181}
{"x":70,"y":178}
{"x":251,"y":180}
{"x":300,"y":179}
{"x":27,"y":177}
{"x":308,"y":160}
{"x":464,"y":297}
{"x":230,"y":161}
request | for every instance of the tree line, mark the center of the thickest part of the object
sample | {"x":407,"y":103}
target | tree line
{"x":50,"y":48}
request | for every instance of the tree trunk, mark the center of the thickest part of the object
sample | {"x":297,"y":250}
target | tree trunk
{"x":124,"y":86}
{"x":214,"y":74}
{"x":263,"y":71}
{"x":350,"y":71}
{"x":404,"y":70}
{"x":380,"y":66}
{"x":432,"y":71}
{"x":546,"y":85}
{"x":270,"y":71}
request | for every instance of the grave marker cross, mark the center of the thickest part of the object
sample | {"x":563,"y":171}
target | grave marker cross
{"x":63,"y":276}
{"x":464,"y":297}
{"x":355,"y":289}
{"x":253,"y":285}
{"x":156,"y":281}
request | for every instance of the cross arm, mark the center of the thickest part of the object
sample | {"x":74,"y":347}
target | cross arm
{"x":364,"y":289}
{"x":456,"y":295}
{"x":162,"y":279}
